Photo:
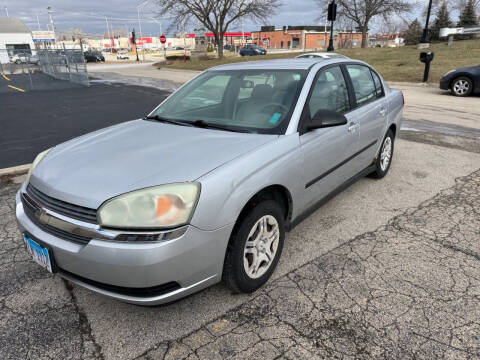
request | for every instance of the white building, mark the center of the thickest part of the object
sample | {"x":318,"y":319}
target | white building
{"x":15,"y":38}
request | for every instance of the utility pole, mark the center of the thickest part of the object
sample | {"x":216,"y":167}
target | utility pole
{"x":49,"y":9}
{"x":38,"y":22}
{"x":243,"y":32}
{"x":6,"y":11}
{"x":108,"y":31}
{"x":425,"y":38}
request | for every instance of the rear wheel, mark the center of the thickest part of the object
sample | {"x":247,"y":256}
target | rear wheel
{"x":384,"y":157}
{"x":462,"y":86}
{"x":255,"y":248}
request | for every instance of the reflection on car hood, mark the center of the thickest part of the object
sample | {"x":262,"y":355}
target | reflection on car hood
{"x":95,"y":167}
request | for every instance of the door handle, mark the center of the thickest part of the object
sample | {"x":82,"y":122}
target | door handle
{"x":352,"y":127}
{"x":383,"y":111}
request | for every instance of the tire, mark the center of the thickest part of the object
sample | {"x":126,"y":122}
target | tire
{"x":383,"y":165}
{"x":237,"y":260}
{"x":461,"y":86}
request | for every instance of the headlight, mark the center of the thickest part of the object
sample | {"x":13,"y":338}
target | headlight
{"x":451,"y":71}
{"x":35,"y":163}
{"x":163,"y":206}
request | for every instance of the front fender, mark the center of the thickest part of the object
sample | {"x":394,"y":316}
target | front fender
{"x":227,"y":189}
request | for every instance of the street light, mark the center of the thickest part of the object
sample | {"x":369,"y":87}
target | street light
{"x":140,"y":7}
{"x":425,"y":38}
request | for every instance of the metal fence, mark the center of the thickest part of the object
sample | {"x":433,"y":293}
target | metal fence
{"x":60,"y":63}
{"x":64,"y":64}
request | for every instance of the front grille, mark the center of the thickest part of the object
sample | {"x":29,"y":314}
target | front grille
{"x":62,"y":207}
{"x":30,"y":211}
{"x":129,"y":291}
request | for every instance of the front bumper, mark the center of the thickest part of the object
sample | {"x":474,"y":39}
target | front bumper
{"x":445,"y":83}
{"x":119,"y":269}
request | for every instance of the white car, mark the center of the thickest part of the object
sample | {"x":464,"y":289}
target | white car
{"x":122,"y":56}
{"x":321,"y":55}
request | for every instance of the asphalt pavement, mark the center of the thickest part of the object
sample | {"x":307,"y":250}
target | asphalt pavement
{"x":54,"y":111}
{"x":389,"y":268}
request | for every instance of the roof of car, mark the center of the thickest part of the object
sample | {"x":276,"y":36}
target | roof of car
{"x":280,"y":64}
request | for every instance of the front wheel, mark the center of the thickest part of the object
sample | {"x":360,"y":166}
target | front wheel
{"x":384,"y":157}
{"x":462,"y":86}
{"x":254,"y":248}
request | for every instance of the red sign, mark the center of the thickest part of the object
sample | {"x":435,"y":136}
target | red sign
{"x":143,"y":40}
{"x":163,"y":39}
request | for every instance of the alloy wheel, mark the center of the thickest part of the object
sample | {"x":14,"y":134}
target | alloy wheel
{"x":261,"y":246}
{"x":386,"y":153}
{"x":461,"y":87}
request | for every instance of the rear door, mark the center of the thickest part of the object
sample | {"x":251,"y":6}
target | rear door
{"x":326,"y":151}
{"x":370,"y":111}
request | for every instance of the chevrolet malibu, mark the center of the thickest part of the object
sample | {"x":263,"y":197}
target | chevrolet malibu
{"x":204,"y":188}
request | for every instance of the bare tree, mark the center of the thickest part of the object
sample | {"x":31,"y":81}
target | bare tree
{"x":362,"y":11}
{"x":216,"y":15}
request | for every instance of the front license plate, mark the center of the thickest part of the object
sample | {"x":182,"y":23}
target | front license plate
{"x":40,"y":254}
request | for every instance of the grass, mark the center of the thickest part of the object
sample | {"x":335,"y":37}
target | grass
{"x":395,"y":64}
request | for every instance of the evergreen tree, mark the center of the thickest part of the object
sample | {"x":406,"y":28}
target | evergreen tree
{"x":441,"y":21}
{"x":413,"y":33}
{"x":468,"y":17}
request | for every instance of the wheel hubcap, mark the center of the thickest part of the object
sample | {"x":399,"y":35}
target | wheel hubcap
{"x":386,"y":154}
{"x":461,"y":87}
{"x":261,"y":246}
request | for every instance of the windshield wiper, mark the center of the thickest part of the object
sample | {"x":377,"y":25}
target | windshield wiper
{"x":207,"y":125}
{"x":166,"y":120}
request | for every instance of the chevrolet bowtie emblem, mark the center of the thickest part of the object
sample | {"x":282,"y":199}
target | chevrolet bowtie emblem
{"x":42,"y":216}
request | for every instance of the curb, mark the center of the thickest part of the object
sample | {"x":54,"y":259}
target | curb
{"x":15,"y":170}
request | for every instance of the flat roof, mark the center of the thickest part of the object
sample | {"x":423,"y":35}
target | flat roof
{"x":12,"y":26}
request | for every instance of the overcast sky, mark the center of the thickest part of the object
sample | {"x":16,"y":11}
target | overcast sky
{"x":89,"y":15}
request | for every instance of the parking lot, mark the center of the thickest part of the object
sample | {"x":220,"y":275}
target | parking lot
{"x":386,"y":269}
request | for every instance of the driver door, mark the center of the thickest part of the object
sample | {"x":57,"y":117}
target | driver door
{"x":326,"y":151}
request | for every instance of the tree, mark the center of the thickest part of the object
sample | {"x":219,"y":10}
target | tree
{"x":468,"y":17}
{"x":216,"y":15}
{"x":413,"y":33}
{"x":441,"y":21}
{"x":362,"y":11}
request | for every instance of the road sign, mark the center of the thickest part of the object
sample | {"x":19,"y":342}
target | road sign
{"x":163,"y":39}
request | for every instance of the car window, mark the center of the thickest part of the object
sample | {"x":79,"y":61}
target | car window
{"x":209,"y":93}
{"x":363,"y":84}
{"x":245,"y":100}
{"x":329,"y":92}
{"x":378,"y":84}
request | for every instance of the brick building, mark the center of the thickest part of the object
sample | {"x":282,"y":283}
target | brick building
{"x":304,"y":37}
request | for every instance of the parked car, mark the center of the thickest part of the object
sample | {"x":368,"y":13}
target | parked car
{"x":462,"y":81}
{"x":205,"y":187}
{"x":252,"y":50}
{"x":321,"y":55}
{"x":25,"y":58}
{"x":122,"y":55}
{"x":93,"y":56}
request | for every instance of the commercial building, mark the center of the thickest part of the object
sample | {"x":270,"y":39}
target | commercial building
{"x":15,"y":38}
{"x":386,"y":40}
{"x":304,"y":38}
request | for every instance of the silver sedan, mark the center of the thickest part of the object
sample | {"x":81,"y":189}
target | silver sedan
{"x":204,"y":188}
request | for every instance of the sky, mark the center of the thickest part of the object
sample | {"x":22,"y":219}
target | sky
{"x":89,"y":15}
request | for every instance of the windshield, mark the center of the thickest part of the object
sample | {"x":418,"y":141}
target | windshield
{"x":258,"y":101}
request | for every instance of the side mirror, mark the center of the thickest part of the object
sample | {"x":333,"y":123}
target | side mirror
{"x":326,"y":118}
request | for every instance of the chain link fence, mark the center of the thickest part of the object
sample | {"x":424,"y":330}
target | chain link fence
{"x":64,"y":64}
{"x":60,"y":63}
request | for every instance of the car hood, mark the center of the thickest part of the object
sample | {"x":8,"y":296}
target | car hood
{"x":465,"y":69}
{"x":98,"y":166}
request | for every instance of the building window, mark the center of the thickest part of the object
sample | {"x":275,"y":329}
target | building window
{"x":281,"y":44}
{"x":296,"y":42}
{"x":288,"y":44}
{"x":13,"y":49}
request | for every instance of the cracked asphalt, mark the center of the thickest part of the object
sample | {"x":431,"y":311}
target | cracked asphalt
{"x":410,"y":288}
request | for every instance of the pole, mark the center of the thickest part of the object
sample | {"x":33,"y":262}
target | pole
{"x":425,"y":37}
{"x":243,"y":32}
{"x":330,"y":42}
{"x":51,"y":18}
{"x":38,"y":22}
{"x":184,"y":44}
{"x":6,"y":11}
